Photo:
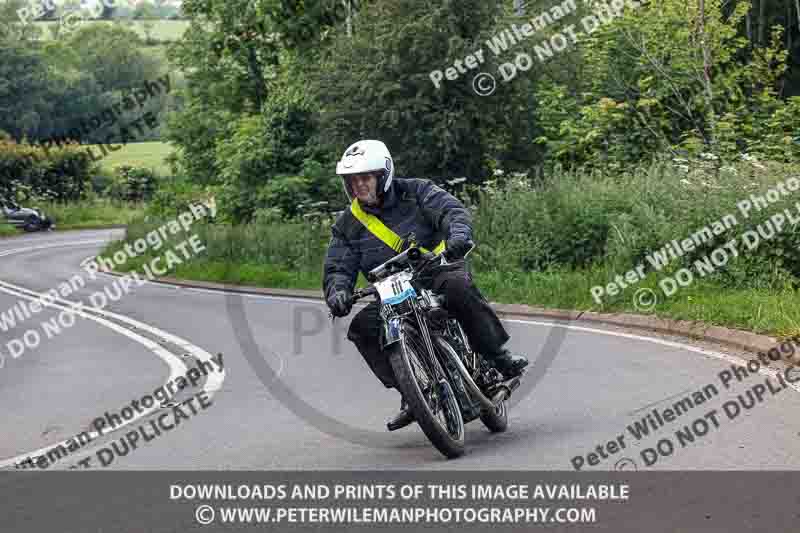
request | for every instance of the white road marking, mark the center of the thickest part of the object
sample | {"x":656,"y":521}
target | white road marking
{"x":175,"y":364}
{"x":715,"y":355}
{"x":53,"y":244}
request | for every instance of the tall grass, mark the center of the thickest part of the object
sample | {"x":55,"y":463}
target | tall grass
{"x":91,"y":213}
{"x":576,"y":220}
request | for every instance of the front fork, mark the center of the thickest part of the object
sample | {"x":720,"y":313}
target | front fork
{"x":426,"y":336}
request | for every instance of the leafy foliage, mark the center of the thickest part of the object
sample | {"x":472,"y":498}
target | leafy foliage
{"x":663,"y":77}
{"x":47,"y":90}
{"x":133,"y":184}
{"x":59,"y":174}
{"x":376,"y":84}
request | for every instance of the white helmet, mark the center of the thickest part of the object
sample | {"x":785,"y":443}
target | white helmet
{"x":363,"y":157}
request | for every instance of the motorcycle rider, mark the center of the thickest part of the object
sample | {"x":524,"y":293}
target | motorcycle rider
{"x":367,"y":234}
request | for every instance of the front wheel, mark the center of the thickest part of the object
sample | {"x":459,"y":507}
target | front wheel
{"x":430,"y":397}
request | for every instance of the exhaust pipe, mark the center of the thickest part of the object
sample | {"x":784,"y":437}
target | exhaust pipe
{"x":505,"y":390}
{"x":472,"y":387}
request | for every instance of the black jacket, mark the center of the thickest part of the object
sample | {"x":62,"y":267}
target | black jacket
{"x":410,"y":205}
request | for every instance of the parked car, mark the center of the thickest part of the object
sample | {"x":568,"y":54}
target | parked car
{"x":24,"y":217}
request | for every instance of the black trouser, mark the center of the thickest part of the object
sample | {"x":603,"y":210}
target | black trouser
{"x":464,"y":302}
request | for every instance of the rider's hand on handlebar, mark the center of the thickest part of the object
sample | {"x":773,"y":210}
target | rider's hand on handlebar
{"x":340,"y":301}
{"x":457,"y":248}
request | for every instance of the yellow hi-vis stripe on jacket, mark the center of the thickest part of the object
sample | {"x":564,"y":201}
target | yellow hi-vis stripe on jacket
{"x":379,"y":229}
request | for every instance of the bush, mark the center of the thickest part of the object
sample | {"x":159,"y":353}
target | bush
{"x":583,"y":219}
{"x":61,"y":173}
{"x":175,"y":195}
{"x":133,"y":184}
{"x":102,"y":180}
{"x":261,"y":161}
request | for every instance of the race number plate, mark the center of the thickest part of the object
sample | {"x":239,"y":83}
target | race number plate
{"x":396,"y":289}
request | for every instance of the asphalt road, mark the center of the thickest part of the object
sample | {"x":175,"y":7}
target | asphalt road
{"x":323,"y":409}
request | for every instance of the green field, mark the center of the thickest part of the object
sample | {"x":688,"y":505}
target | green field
{"x":147,"y":154}
{"x":163,"y":30}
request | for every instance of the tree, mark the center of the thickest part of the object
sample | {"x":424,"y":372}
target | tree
{"x":375,"y":83}
{"x":114,"y":55}
{"x":670,"y":74}
{"x":24,"y":91}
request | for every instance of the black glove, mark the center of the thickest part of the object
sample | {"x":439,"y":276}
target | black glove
{"x":340,"y":301}
{"x":456,"y":248}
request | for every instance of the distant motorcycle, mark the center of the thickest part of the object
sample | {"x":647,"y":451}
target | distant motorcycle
{"x":24,"y":217}
{"x":445,"y":383}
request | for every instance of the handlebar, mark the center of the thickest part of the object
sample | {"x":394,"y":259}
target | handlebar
{"x":364,"y":293}
{"x":413,"y":254}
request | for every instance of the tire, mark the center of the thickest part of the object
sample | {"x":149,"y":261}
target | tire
{"x":31,"y":224}
{"x":445,"y":433}
{"x":496,"y":421}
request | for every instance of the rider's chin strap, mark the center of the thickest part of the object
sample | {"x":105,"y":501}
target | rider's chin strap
{"x":379,"y":229}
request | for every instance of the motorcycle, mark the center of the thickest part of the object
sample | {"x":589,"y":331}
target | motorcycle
{"x":444,"y":381}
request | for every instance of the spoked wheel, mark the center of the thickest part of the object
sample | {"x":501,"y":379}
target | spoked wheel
{"x":430,"y":397}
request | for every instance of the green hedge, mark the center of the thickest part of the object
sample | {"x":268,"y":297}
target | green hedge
{"x":61,"y":174}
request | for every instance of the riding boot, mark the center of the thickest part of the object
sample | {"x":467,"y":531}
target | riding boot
{"x":402,"y":419}
{"x":508,"y":364}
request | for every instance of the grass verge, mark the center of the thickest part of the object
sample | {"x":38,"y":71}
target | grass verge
{"x":6,"y":230}
{"x":94,"y":213}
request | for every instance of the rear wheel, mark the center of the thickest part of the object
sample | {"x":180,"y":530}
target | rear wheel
{"x":430,"y":397}
{"x":31,"y":224}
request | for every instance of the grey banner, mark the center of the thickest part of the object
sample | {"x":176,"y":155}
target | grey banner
{"x":638,"y":502}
